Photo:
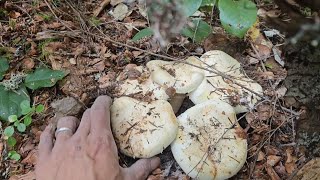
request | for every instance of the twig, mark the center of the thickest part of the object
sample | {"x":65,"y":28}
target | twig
{"x":72,"y":54}
{"x":101,"y":7}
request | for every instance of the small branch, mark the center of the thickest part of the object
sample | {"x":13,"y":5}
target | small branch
{"x":101,"y":7}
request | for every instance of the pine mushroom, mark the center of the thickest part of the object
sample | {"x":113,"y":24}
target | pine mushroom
{"x":142,"y":129}
{"x":182,"y":77}
{"x":217,"y":87}
{"x":136,"y":81}
{"x":210,"y":144}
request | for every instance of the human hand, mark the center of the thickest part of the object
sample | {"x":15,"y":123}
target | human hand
{"x":88,"y":153}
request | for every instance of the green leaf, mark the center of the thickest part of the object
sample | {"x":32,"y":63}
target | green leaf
{"x":16,"y":123}
{"x":10,"y":102}
{"x":40,"y":108}
{"x":13,"y":118}
{"x":14,"y":155}
{"x":208,"y":2}
{"x":190,"y":6}
{"x":27,"y":120}
{"x":198,"y":30}
{"x":4,"y":66}
{"x":21,"y":127}
{"x":43,"y":77}
{"x":237,"y":16}
{"x":143,"y":33}
{"x":25,"y":107}
{"x":11,"y":141}
{"x":8,"y":131}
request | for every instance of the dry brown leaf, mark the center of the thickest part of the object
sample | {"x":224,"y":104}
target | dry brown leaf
{"x":31,"y":159}
{"x":266,"y":75}
{"x":14,"y":14}
{"x":280,"y":169}
{"x":273,"y":175}
{"x":272,"y":160}
{"x":28,"y":63}
{"x":290,"y":164}
{"x":271,"y":150}
{"x":31,"y":175}
{"x":261,"y":156}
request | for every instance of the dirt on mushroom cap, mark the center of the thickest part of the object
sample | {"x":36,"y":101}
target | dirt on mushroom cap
{"x":208,"y":144}
{"x":217,"y":87}
{"x":183,"y":77}
{"x":142,"y":129}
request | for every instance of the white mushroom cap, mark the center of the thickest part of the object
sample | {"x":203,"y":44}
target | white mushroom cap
{"x":144,"y":86}
{"x":142,"y":129}
{"x":222,"y":62}
{"x":210,"y":144}
{"x":217,"y":87}
{"x":183,"y":77}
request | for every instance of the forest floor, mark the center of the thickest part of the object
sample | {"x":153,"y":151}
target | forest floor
{"x":86,"y":41}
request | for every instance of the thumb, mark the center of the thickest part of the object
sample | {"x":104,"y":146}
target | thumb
{"x":142,"y":168}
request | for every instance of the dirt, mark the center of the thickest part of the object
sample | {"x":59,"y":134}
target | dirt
{"x":303,"y":83}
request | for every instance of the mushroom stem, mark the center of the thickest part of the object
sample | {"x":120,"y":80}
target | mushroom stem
{"x":176,"y":101}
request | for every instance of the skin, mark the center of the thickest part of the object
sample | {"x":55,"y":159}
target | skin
{"x":90,"y":153}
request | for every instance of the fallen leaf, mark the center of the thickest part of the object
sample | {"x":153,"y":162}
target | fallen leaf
{"x":273,"y":175}
{"x":115,"y":2}
{"x":31,"y":175}
{"x":31,"y":158}
{"x":281,"y":92}
{"x":271,"y":150}
{"x":273,"y":160}
{"x":28,"y":63}
{"x":120,"y":12}
{"x":277,"y":55}
{"x":261,"y":156}
{"x":290,"y":164}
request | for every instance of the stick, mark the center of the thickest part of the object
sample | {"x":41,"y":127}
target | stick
{"x":101,"y":7}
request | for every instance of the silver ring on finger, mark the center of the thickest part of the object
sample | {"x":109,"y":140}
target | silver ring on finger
{"x":62,"y":129}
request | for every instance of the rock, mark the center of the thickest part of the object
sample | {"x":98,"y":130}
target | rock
{"x":67,"y":106}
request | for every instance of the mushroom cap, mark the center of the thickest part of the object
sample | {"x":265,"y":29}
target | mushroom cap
{"x":222,"y":62}
{"x":144,"y":86}
{"x":142,"y":129}
{"x":216,"y":87}
{"x":183,"y":77}
{"x":224,"y":90}
{"x":210,"y":144}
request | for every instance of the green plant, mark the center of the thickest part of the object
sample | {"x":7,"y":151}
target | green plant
{"x":12,"y":23}
{"x":41,"y":47}
{"x":236,"y":16}
{"x":15,"y":109}
{"x":20,"y":124}
{"x":4,"y":66}
{"x":13,"y":91}
{"x":95,"y":21}
{"x":46,"y":17}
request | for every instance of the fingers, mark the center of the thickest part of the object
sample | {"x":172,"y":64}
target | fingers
{"x":142,"y":168}
{"x":84,"y":127}
{"x":66,"y":123}
{"x":100,"y":115}
{"x":46,"y":142}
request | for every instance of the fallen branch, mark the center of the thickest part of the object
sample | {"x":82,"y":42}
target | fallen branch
{"x":100,"y":8}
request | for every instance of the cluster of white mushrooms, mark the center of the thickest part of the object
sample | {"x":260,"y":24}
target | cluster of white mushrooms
{"x":206,"y":140}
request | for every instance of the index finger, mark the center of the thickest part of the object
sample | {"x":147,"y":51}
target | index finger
{"x":100,"y":115}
